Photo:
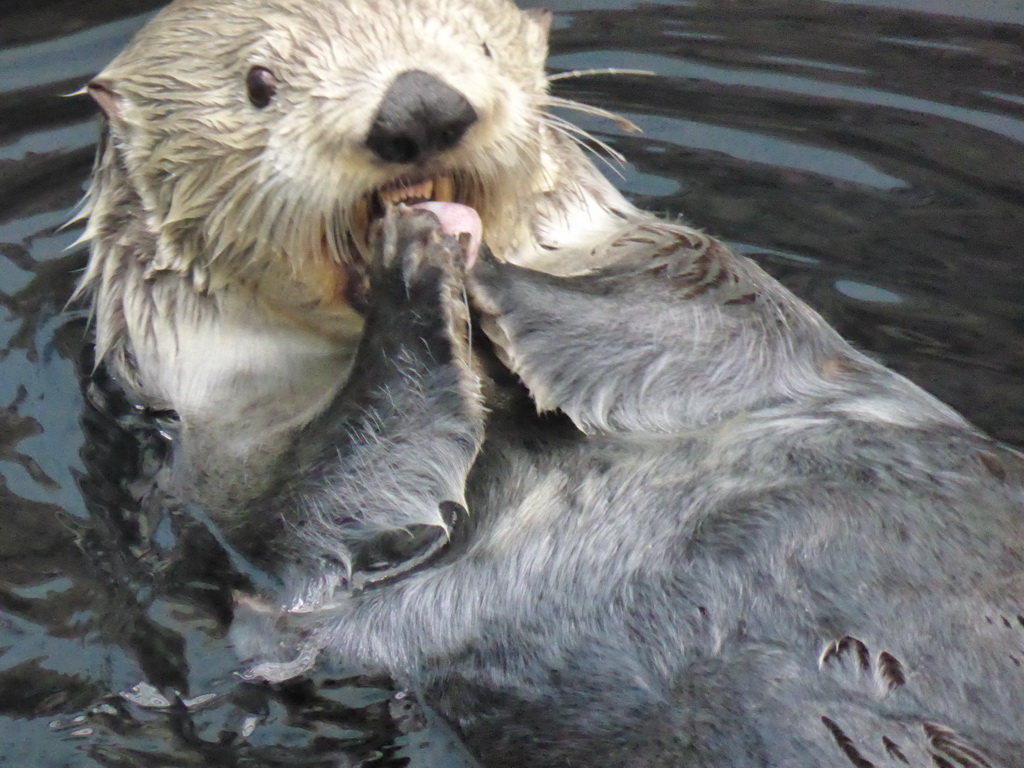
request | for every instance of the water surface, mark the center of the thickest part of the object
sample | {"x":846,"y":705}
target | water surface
{"x":868,"y":154}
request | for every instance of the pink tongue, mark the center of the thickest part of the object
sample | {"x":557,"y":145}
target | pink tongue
{"x":457,"y":219}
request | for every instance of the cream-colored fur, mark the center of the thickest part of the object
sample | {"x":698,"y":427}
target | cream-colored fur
{"x":227,"y":240}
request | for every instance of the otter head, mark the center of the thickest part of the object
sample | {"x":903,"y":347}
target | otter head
{"x":257,"y":141}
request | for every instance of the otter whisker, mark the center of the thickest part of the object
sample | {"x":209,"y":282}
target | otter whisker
{"x":575,"y":130}
{"x":586,"y":147}
{"x":624,"y":124}
{"x":583,"y":139}
{"x":571,"y":73}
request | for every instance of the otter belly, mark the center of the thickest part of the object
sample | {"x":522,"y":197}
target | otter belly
{"x":643,"y":578}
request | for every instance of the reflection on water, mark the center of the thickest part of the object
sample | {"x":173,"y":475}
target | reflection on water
{"x":867,"y":154}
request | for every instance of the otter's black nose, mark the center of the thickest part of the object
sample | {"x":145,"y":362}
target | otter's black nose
{"x":419,"y":117}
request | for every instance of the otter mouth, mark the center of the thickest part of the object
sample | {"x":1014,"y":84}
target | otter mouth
{"x":440,"y":189}
{"x":445,"y":188}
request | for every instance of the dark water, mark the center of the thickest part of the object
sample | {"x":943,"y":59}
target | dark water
{"x":870,"y":155}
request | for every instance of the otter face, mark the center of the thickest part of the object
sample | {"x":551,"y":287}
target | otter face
{"x":261,"y":142}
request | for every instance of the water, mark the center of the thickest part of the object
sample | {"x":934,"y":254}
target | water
{"x":869,"y":155}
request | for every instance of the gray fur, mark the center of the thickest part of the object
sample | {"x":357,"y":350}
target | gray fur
{"x":728,"y":540}
{"x":819,"y":564}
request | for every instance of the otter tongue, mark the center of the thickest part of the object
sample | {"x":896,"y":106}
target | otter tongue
{"x":457,"y":219}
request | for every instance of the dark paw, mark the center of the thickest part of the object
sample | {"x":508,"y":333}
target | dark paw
{"x":488,"y":286}
{"x":414,"y":254}
{"x":417,"y":287}
{"x":487,"y":281}
{"x":528,"y":315}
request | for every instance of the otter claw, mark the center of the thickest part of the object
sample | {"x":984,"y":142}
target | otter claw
{"x":453,"y":514}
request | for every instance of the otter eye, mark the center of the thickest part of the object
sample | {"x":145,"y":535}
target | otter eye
{"x":261,"y":85}
{"x":487,"y":51}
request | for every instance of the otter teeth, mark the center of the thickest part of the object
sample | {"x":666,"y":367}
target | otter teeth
{"x":422,"y":191}
{"x":441,"y":189}
{"x":444,"y":189}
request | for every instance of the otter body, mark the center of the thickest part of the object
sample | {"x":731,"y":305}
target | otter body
{"x":681,"y":522}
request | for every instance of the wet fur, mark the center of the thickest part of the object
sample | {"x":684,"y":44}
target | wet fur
{"x":747,"y":545}
{"x":729,"y":539}
{"x":222,"y":269}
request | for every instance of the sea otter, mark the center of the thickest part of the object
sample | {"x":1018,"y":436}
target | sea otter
{"x":599,"y":489}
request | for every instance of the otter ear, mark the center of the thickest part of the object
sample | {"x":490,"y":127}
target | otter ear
{"x":542,"y":17}
{"x":104,"y":95}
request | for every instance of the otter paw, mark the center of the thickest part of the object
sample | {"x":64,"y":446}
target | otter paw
{"x":418,"y":278}
{"x":492,"y":286}
{"x":414,"y":252}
